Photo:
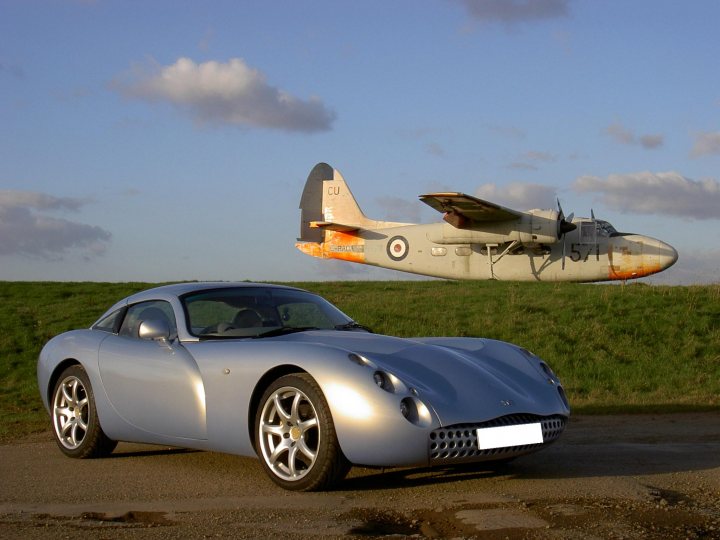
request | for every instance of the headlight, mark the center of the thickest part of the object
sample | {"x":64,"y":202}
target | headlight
{"x":410,"y":405}
{"x":545,"y":369}
{"x":382,"y":379}
{"x":415,"y":411}
{"x":549,"y":372}
{"x":357,"y":359}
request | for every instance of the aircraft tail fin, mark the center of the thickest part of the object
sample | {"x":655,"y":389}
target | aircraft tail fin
{"x":328,"y":204}
{"x":331,"y":222}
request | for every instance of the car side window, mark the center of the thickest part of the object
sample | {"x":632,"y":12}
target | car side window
{"x":137,"y":313}
{"x":109,"y":323}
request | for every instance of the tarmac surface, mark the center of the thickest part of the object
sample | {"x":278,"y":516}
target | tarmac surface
{"x":644,"y":476}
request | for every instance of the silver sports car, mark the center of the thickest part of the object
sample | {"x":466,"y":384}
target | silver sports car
{"x":280,"y":372}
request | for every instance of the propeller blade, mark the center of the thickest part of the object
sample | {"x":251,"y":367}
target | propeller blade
{"x":566,"y":226}
{"x":592,"y":214}
{"x":563,"y":253}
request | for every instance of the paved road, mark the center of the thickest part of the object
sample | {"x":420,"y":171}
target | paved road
{"x":648,"y":476}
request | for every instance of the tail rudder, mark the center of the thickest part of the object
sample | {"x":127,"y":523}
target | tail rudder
{"x":326,"y":198}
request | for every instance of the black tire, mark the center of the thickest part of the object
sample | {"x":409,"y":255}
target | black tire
{"x":75,"y":421}
{"x":295,"y":436}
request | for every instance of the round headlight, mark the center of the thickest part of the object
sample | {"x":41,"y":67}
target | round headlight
{"x":415,"y":411}
{"x":356,"y":359}
{"x":383,"y":381}
{"x":549,"y":372}
{"x":404,"y":409}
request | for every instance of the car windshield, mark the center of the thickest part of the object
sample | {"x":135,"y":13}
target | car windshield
{"x":259,"y":312}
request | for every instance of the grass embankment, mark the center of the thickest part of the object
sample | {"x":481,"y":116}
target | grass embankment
{"x":633,"y":348}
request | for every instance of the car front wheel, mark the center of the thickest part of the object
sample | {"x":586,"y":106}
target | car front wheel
{"x":75,"y":421}
{"x":297,"y":443}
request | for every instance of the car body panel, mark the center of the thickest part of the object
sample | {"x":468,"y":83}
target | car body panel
{"x":132,"y":371}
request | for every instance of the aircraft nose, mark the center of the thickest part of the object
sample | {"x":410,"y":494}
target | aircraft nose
{"x":634,"y":256}
{"x":668,"y":255}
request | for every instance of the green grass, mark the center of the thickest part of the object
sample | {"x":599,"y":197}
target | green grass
{"x":631,"y":348}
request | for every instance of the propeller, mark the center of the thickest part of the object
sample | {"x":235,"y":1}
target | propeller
{"x":564,"y":227}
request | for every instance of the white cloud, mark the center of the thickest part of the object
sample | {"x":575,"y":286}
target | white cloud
{"x":667,"y":193}
{"x":39,"y":201}
{"x":625,"y":136}
{"x":226,"y":93}
{"x":514,"y":11}
{"x":27,"y":229}
{"x":706,"y":144}
{"x":520,"y":196}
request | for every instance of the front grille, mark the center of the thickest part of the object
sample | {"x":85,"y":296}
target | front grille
{"x":458,"y":443}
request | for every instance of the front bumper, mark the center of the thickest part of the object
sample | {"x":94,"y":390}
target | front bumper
{"x":458,"y":443}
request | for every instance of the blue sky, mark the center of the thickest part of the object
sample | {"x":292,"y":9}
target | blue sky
{"x":162,"y":141}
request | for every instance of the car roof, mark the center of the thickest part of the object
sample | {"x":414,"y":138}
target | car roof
{"x":179,"y":289}
{"x":169,"y":292}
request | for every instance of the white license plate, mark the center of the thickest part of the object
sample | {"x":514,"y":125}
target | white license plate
{"x":504,"y":436}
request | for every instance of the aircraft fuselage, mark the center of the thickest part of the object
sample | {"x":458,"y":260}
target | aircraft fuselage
{"x":409,"y":249}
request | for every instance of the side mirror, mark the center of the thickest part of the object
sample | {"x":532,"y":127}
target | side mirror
{"x":154,"y":329}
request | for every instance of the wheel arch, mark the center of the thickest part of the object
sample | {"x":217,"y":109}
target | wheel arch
{"x":262,"y":385}
{"x":55,"y":376}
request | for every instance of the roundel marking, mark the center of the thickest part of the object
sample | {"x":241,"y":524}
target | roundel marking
{"x":397,"y":248}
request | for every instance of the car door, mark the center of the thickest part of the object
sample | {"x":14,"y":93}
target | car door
{"x":155,"y":385}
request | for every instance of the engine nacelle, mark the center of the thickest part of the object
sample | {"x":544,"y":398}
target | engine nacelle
{"x":535,"y":227}
{"x":545,"y":226}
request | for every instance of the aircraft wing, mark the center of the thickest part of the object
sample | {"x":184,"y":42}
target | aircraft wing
{"x":466,"y":207}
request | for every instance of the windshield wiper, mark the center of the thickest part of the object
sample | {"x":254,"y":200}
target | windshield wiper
{"x":352,"y":325}
{"x":285,"y":330}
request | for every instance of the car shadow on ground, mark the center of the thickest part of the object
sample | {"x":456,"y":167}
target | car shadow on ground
{"x":150,"y":451}
{"x":560,"y":461}
{"x":361,"y":479}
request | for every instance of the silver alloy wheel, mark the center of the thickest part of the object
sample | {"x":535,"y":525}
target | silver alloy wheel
{"x":71,"y":412}
{"x":289,"y":433}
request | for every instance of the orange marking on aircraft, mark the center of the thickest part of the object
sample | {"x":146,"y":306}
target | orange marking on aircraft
{"x":338,"y":245}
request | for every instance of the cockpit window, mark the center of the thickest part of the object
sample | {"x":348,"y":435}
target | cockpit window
{"x":591,"y":230}
{"x":604,"y":228}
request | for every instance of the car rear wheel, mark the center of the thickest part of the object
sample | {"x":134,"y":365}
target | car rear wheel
{"x":296,"y":438}
{"x":75,"y":421}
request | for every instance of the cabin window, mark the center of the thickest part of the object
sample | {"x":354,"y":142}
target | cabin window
{"x":463,"y":251}
{"x":588,"y":232}
{"x":438,"y":251}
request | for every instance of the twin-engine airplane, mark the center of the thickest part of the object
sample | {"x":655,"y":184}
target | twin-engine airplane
{"x":479,"y":239}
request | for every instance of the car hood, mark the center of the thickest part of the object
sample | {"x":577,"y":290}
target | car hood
{"x":462,"y":379}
